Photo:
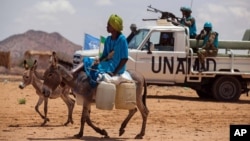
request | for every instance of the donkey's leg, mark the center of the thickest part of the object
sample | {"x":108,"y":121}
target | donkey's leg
{"x":98,"y":130}
{"x":70,"y":104}
{"x":39,"y":102}
{"x":141,"y":100}
{"x":45,"y":111}
{"x":86,"y":118}
{"x":88,"y":101}
{"x":85,"y":113}
{"x":125,"y":122}
{"x":144,"y":113}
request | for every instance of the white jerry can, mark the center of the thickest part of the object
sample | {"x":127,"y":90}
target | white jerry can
{"x":105,"y":96}
{"x":125,"y":96}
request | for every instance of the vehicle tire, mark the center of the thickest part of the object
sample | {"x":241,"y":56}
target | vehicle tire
{"x":226,"y":88}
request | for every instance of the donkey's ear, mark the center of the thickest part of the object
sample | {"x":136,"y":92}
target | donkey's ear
{"x":25,"y":65}
{"x":54,"y":56}
{"x":24,"y":62}
{"x":53,"y":59}
{"x":54,"y":62}
{"x":35,"y":63}
{"x":53,"y":53}
{"x":34,"y":66}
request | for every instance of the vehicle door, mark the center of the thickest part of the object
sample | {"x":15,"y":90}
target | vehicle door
{"x":158,"y":64}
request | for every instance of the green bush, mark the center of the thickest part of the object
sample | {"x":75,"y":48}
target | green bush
{"x":22,"y":101}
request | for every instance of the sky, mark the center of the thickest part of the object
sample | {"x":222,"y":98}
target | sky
{"x":73,"y":18}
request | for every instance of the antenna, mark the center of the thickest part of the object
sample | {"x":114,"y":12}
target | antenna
{"x":191,"y":4}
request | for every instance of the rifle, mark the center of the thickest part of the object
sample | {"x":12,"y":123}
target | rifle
{"x":164,"y":14}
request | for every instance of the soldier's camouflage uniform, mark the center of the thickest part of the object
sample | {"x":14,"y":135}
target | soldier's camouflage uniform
{"x":209,"y":49}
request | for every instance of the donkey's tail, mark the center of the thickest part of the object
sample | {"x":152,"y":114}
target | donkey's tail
{"x":144,"y":93}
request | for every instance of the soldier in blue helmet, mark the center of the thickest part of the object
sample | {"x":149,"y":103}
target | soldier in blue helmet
{"x":188,"y":21}
{"x":210,"y":44}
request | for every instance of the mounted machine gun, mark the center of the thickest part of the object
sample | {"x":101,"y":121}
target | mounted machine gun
{"x":164,"y":15}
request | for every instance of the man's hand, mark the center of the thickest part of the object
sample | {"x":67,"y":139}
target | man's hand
{"x":110,"y":55}
{"x":96,"y":61}
{"x":201,"y":35}
{"x":111,"y":74}
{"x":203,"y":32}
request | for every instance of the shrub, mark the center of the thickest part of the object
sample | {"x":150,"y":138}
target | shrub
{"x":22,"y":101}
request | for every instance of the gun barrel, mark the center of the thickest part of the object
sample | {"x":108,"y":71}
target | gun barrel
{"x":164,"y":14}
{"x":151,"y":10}
{"x":149,"y":19}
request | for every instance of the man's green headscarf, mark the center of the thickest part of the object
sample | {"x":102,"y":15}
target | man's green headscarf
{"x":116,"y":22}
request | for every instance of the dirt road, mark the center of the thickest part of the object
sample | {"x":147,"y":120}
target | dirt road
{"x":176,"y":114}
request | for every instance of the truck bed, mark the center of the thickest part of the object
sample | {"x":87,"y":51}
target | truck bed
{"x":225,"y":44}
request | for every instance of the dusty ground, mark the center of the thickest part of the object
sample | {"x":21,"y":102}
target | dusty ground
{"x":176,"y":114}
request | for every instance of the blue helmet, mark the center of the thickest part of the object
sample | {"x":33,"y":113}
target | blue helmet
{"x":187,"y":9}
{"x":208,"y":24}
{"x":182,"y":8}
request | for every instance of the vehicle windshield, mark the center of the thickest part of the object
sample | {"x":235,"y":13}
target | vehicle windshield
{"x":138,"y":38}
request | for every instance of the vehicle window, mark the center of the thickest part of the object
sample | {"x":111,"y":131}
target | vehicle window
{"x":154,"y":38}
{"x":77,"y":56}
{"x":163,"y":41}
{"x":137,"y":39}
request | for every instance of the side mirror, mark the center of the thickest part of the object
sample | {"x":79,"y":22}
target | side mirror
{"x":150,"y":48}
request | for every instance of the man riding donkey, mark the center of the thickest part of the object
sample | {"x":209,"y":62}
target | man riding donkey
{"x":114,"y":56}
{"x":111,"y":64}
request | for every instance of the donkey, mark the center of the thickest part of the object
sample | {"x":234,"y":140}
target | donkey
{"x":56,"y":74}
{"x":29,"y":77}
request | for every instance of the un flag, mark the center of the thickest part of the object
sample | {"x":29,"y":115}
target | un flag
{"x":91,"y":42}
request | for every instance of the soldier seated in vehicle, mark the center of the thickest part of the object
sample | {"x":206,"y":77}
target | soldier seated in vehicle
{"x":166,"y":43}
{"x":209,"y":46}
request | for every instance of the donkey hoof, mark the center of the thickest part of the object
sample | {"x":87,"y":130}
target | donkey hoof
{"x":78,"y":136}
{"x":121,"y":132}
{"x":104,"y":132}
{"x":106,"y":137}
{"x":139,"y":136}
{"x":66,"y":123}
{"x":43,"y":124}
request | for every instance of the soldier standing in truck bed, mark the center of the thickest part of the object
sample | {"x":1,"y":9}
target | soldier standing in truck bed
{"x":188,"y":21}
